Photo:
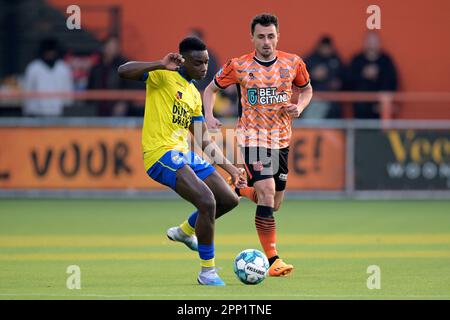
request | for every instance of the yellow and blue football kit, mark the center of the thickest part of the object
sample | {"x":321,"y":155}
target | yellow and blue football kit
{"x":172,"y":103}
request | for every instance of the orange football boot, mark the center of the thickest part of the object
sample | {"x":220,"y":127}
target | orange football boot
{"x":279,"y":268}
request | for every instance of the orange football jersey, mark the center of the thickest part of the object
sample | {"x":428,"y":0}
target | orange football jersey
{"x":264,"y":88}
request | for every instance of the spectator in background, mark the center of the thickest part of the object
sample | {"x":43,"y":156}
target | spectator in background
{"x":371,"y":70}
{"x":327,"y":73}
{"x":47,"y":73}
{"x":81,"y":65}
{"x":104,"y":75}
{"x":10,"y":107}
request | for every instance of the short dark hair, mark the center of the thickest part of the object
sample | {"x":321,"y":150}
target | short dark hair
{"x":264,"y":19}
{"x":191,"y":44}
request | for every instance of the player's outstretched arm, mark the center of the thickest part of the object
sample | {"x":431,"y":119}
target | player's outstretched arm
{"x":134,"y":70}
{"x":209,"y":99}
{"x":201,"y":136}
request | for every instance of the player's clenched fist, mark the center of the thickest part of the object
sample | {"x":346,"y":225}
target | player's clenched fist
{"x":173,"y":61}
{"x":212,"y":122}
{"x":238,"y":176}
{"x":293,"y":110}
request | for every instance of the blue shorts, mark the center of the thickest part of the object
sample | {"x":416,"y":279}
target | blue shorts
{"x":165,"y":169}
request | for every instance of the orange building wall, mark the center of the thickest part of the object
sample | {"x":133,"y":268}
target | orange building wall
{"x":416,"y":33}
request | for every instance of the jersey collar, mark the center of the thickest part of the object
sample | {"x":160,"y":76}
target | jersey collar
{"x":265,"y":63}
{"x":182,"y":72}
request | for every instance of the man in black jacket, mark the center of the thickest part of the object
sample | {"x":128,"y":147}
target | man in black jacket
{"x":371,"y":70}
{"x":104,"y":76}
{"x":327,"y":74}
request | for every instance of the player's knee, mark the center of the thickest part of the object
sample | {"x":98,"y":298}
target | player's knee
{"x":227,"y":202}
{"x":232,"y":201}
{"x":266,"y":194}
{"x":207,"y":203}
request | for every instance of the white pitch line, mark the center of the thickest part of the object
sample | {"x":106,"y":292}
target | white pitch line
{"x":219,"y":295}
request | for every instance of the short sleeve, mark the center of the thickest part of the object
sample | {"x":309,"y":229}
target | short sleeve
{"x":226,"y":75}
{"x":154,"y":78}
{"x":302,"y":76}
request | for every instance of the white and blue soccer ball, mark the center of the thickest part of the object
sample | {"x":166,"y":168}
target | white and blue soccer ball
{"x":251,"y":266}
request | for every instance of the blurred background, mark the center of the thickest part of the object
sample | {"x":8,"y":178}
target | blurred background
{"x":74,"y":192}
{"x":378,"y":125}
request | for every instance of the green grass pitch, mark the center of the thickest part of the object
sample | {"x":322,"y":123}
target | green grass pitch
{"x":123,"y":253}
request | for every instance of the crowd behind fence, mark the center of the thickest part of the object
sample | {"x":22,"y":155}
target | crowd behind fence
{"x":387,"y":101}
{"x":340,"y":158}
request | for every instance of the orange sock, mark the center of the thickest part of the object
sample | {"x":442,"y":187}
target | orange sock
{"x":248,"y":192}
{"x":265,"y":226}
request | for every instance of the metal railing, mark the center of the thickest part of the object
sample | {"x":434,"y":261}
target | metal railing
{"x":349,"y":127}
{"x":386,"y":100}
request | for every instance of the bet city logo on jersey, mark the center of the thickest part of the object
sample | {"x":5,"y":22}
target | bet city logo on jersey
{"x":265,"y":96}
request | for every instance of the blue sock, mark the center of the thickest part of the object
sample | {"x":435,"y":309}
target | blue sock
{"x":206,"y":253}
{"x":192,"y":219}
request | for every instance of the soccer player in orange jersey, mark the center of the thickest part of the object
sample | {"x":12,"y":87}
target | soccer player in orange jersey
{"x":274,"y":88}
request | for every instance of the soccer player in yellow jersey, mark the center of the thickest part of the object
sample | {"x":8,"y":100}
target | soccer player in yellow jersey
{"x":173,"y":107}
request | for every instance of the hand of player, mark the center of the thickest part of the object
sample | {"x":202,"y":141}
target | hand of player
{"x":172,"y":61}
{"x":238,"y":176}
{"x":293,"y":110}
{"x":213,"y":123}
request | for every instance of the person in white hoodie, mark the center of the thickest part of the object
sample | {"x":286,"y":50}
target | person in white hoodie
{"x":47,"y":73}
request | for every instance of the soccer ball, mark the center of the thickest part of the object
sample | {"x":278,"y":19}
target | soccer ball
{"x":251,"y":266}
